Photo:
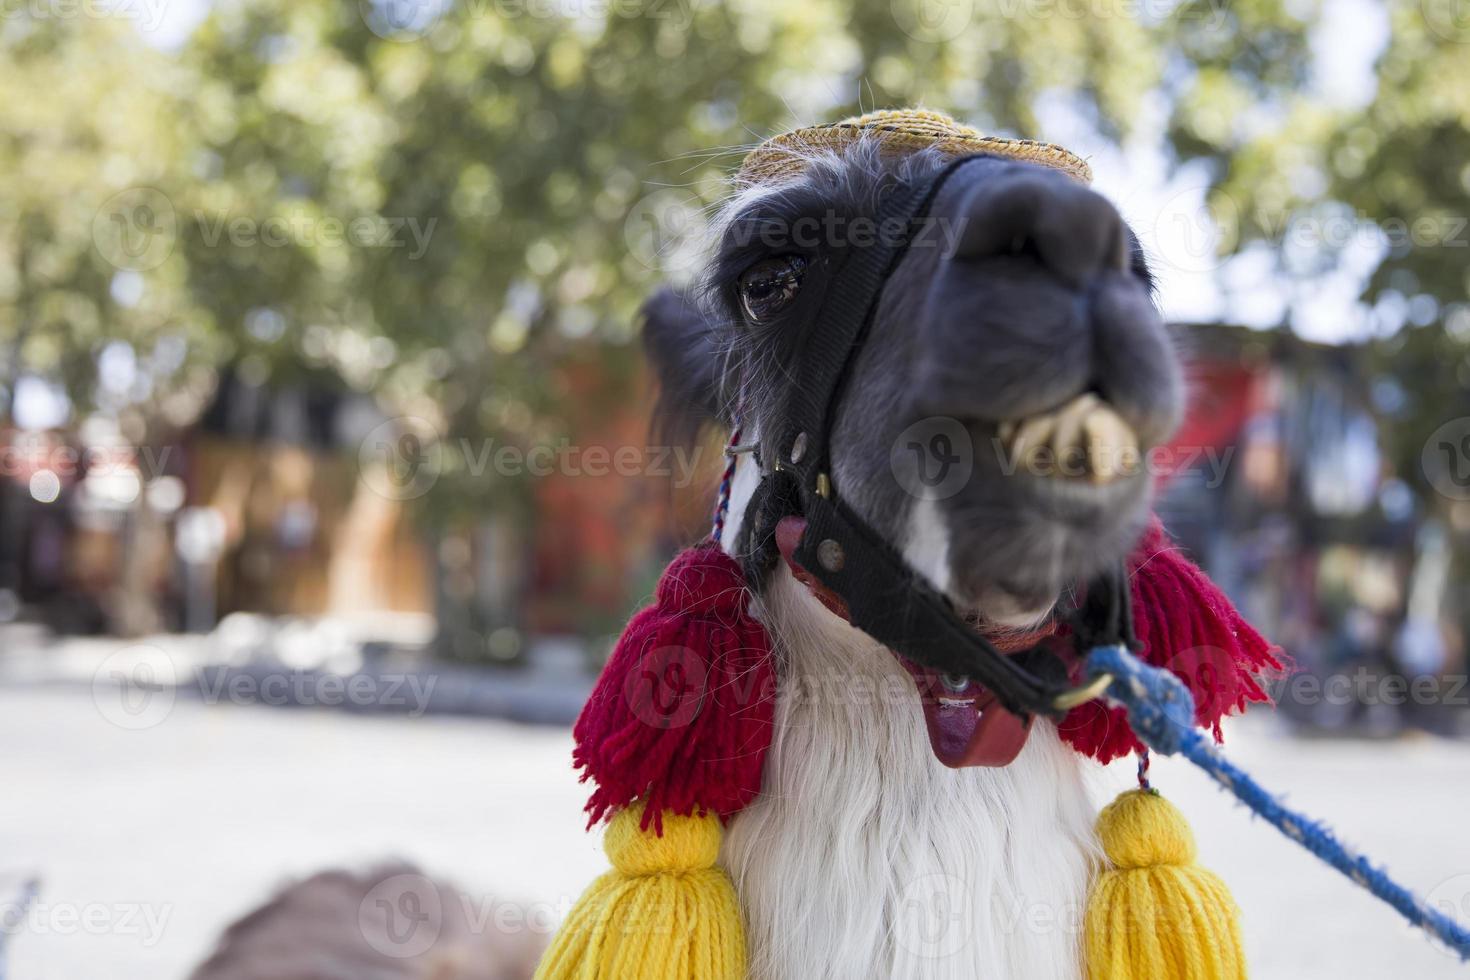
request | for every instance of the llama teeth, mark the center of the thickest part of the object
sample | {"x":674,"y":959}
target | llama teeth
{"x":1067,"y":441}
{"x":1112,"y":445}
{"x":1031,"y":435}
{"x":1083,"y":438}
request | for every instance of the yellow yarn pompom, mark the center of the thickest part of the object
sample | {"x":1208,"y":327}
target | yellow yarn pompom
{"x":687,"y":844}
{"x":1156,"y":915}
{"x":665,"y":911}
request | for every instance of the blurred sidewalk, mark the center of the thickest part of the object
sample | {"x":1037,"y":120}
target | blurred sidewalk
{"x":296,"y":663}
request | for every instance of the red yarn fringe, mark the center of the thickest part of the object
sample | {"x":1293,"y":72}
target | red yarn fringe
{"x":681,"y":717}
{"x":1183,"y":622}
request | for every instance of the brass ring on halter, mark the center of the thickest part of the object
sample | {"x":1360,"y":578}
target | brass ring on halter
{"x":1090,"y":691}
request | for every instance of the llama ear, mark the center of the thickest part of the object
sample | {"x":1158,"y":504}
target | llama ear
{"x":681,"y":345}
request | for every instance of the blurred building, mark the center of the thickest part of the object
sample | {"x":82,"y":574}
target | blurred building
{"x":268,"y":505}
{"x":1279,"y":486}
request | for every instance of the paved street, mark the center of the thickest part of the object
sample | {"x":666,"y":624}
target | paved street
{"x":148,"y":841}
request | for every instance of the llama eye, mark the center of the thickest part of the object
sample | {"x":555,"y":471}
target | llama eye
{"x":769,"y":285}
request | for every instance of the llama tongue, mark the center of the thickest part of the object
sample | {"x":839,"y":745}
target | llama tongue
{"x":967,"y":726}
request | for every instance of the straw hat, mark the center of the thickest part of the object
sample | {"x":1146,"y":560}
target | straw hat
{"x":902,"y":131}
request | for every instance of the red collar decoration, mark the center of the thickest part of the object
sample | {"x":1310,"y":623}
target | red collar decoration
{"x":1186,"y":623}
{"x":682,"y":716}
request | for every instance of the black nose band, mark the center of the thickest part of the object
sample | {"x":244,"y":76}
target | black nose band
{"x":885,"y":597}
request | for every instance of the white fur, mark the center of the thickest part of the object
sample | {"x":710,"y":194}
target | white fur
{"x":742,"y":488}
{"x":927,"y":549}
{"x":864,"y":857}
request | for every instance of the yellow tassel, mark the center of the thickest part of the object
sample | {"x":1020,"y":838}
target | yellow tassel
{"x":664,"y":912}
{"x":1156,"y":915}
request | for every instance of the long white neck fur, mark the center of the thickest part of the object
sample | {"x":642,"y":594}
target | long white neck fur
{"x":864,"y":857}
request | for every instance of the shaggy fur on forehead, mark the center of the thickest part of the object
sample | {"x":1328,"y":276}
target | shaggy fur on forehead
{"x":708,"y":360}
{"x":852,"y":183}
{"x":699,"y":343}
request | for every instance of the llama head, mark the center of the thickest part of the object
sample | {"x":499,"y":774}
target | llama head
{"x":1014,"y":376}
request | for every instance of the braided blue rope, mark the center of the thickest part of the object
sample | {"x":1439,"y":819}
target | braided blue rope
{"x":1161,"y":712}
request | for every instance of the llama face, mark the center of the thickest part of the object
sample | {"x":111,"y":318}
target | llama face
{"x":1015,"y":375}
{"x":993,"y":425}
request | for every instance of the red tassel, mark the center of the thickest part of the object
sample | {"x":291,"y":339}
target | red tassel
{"x":681,"y":717}
{"x":1184,"y":622}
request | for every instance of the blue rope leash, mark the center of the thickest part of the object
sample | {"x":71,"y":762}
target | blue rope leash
{"x":1161,"y":712}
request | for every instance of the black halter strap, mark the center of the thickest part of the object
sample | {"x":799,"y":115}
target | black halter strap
{"x":885,"y":598}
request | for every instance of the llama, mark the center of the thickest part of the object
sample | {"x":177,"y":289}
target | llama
{"x":926,"y":871}
{"x":884,"y":819}
{"x":905,"y":824}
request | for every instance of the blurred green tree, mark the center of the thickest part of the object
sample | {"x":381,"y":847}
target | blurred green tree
{"x":1319,"y":179}
{"x":87,"y":131}
{"x":536,"y":167}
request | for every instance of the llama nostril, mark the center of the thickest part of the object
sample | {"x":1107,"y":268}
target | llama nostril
{"x":1067,"y":229}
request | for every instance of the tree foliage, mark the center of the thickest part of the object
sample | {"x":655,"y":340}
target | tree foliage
{"x":436,"y":201}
